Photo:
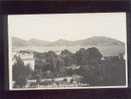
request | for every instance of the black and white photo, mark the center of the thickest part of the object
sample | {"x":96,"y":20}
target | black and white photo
{"x":67,"y":51}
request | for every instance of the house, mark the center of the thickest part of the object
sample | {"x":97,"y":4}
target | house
{"x":27,"y":58}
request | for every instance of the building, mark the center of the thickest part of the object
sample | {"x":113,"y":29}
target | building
{"x":27,"y":58}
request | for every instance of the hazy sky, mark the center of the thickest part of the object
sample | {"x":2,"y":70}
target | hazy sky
{"x":78,"y":26}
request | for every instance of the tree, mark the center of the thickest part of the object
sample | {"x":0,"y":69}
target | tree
{"x":60,"y":66}
{"x":52,"y":61}
{"x":81,"y":56}
{"x":90,"y":65}
{"x":91,"y":75}
{"x":94,"y":55}
{"x":68,"y":57}
{"x":114,"y":71}
{"x":20,"y":72}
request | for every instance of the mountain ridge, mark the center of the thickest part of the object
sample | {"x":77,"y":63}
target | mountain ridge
{"x":95,"y":40}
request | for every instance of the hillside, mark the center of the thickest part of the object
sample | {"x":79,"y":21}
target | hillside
{"x":18,"y":42}
{"x":98,"y":41}
{"x":36,"y":42}
{"x":107,"y":46}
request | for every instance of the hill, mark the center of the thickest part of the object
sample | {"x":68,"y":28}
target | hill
{"x":97,"y":41}
{"x":36,"y":42}
{"x":18,"y":42}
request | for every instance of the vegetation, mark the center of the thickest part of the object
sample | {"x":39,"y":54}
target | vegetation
{"x":90,"y":69}
{"x":20,"y":72}
{"x":86,"y":63}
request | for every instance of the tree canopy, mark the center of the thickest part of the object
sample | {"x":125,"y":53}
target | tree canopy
{"x":20,"y":72}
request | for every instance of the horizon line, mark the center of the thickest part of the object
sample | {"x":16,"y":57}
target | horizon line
{"x":66,"y":39}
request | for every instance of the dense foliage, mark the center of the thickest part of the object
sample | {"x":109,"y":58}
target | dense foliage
{"x":20,"y":72}
{"x":95,"y":69}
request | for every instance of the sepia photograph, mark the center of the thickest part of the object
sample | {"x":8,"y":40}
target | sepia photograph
{"x":67,"y":51}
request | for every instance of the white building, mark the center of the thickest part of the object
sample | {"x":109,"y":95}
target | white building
{"x":27,"y":58}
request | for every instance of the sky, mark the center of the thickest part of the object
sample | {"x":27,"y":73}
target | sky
{"x":51,"y":27}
